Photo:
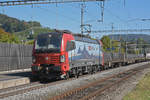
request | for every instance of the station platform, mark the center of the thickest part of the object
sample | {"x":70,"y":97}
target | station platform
{"x":14,"y":78}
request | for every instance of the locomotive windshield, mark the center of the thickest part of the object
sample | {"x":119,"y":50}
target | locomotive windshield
{"x":48,"y":43}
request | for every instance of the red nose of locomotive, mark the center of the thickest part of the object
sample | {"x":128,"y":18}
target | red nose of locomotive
{"x":47,"y":59}
{"x":47,"y":65}
{"x":46,"y":55}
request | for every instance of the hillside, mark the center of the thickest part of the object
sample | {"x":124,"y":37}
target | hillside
{"x":7,"y":37}
{"x":21,"y":28}
{"x":11,"y":25}
{"x":24,"y":35}
{"x":130,"y":37}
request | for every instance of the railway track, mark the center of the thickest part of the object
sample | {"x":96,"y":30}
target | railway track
{"x":25,"y":88}
{"x":90,"y":91}
{"x":11,"y":91}
{"x":81,"y":93}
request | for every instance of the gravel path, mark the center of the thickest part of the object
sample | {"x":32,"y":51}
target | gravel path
{"x":46,"y":93}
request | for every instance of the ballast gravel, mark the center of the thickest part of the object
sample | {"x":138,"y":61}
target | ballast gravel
{"x":53,"y":90}
{"x":118,"y":91}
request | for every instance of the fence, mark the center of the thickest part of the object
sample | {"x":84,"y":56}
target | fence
{"x":15,"y":56}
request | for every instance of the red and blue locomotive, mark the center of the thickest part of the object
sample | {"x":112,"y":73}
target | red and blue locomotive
{"x":62,"y":54}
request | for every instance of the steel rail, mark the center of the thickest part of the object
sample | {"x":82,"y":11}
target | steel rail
{"x":98,"y":92}
{"x":6,"y":90}
{"x":11,"y":91}
{"x":82,"y":88}
{"x":27,"y":88}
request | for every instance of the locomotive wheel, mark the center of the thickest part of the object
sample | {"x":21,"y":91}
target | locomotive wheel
{"x":67,"y":76}
{"x":106,"y":67}
{"x":96,"y":69}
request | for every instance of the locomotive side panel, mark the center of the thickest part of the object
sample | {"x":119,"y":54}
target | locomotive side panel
{"x":85,"y":54}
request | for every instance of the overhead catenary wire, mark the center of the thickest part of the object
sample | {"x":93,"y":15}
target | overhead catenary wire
{"x":30,"y":2}
{"x":90,"y":15}
{"x":61,"y":14}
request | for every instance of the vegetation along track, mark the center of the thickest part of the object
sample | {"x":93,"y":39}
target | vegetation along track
{"x":91,"y":90}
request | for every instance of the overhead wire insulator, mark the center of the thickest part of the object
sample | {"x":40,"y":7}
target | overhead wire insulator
{"x":124,"y":3}
{"x":102,"y":11}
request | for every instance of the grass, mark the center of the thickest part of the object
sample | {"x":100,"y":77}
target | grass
{"x":142,"y":90}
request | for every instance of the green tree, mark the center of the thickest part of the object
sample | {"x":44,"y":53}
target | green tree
{"x":7,"y":37}
{"x":14,"y":39}
{"x":30,"y":42}
{"x":111,"y":45}
{"x":141,"y":44}
{"x":106,"y":43}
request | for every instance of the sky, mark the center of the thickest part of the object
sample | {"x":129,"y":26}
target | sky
{"x":67,"y":16}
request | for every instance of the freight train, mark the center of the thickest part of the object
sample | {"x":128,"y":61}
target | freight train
{"x":62,"y":54}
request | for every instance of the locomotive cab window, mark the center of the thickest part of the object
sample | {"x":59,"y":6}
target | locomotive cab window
{"x":70,"y":45}
{"x":48,"y":43}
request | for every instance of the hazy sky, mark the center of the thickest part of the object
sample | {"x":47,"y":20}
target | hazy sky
{"x":67,"y":16}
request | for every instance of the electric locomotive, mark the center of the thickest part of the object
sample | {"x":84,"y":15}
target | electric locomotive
{"x":62,"y":54}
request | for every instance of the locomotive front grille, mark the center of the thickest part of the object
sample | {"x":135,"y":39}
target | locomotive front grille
{"x":49,"y":59}
{"x":55,"y":59}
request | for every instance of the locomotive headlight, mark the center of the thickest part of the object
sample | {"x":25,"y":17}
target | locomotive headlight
{"x":46,"y":58}
{"x":62,"y":58}
{"x":33,"y":59}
